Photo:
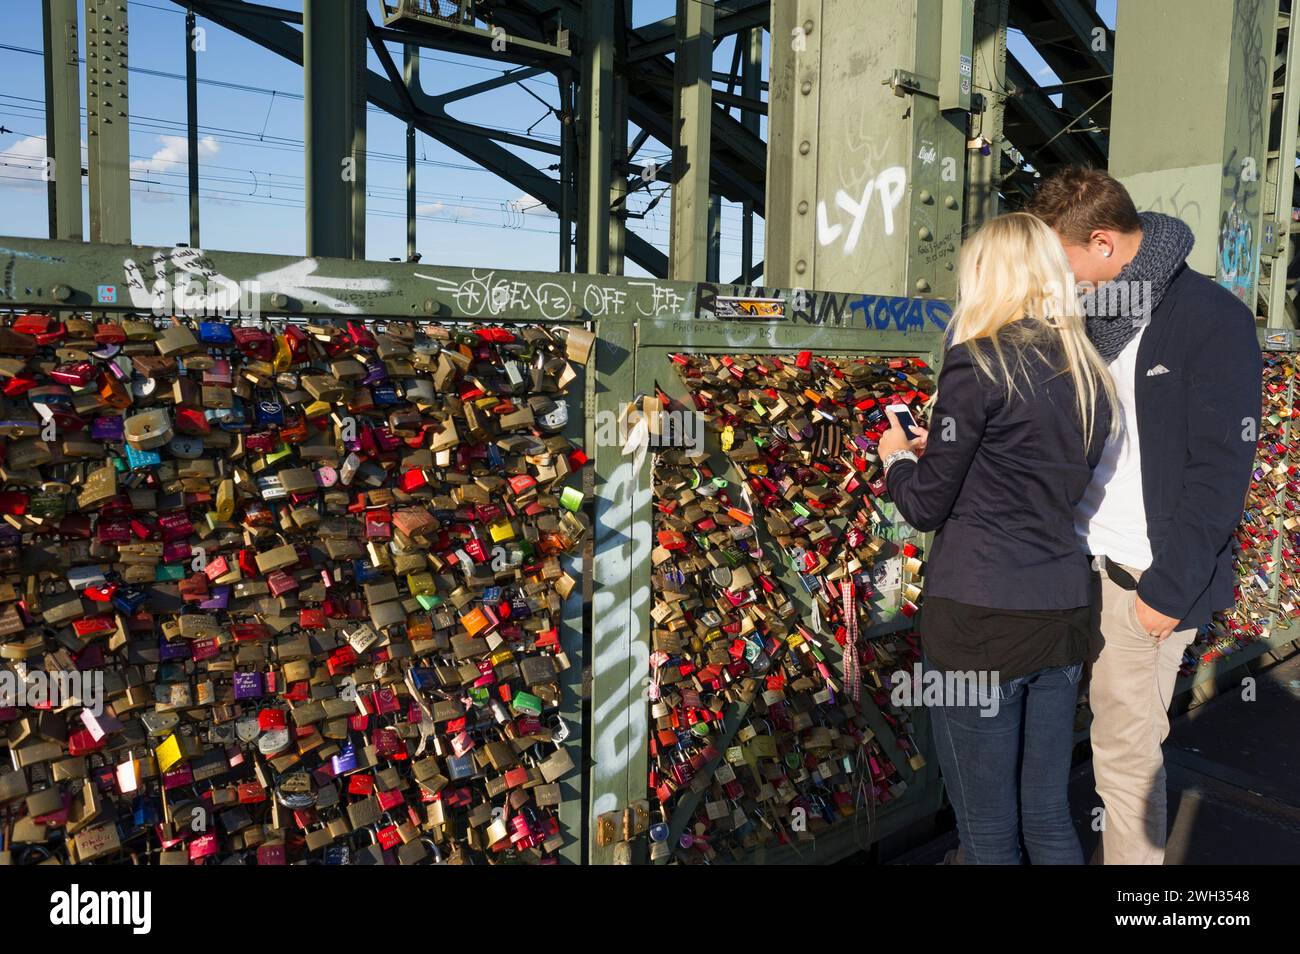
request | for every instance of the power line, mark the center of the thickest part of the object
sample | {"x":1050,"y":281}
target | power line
{"x":263,"y":90}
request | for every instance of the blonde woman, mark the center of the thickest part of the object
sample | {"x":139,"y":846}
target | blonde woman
{"x":1022,"y":412}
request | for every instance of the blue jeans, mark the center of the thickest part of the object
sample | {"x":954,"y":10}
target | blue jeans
{"x":1007,"y":773}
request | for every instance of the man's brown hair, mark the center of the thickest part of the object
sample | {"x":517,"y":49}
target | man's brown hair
{"x":1076,"y":201}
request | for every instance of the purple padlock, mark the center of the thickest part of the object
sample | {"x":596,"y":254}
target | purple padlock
{"x":106,"y":428}
{"x":248,"y":685}
{"x":218,"y":598}
{"x":346,"y":760}
{"x":169,"y":652}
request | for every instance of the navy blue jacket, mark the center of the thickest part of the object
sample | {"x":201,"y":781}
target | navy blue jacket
{"x":1198,"y":424}
{"x":999,"y":481}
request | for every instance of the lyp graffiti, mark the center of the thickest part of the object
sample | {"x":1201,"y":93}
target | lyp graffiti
{"x":890,"y":183}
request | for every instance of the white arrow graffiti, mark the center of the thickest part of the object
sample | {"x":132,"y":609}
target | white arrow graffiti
{"x":186,"y":281}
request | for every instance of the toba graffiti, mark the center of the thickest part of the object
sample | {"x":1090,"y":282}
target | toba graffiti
{"x":907,"y":314}
{"x":890,"y":183}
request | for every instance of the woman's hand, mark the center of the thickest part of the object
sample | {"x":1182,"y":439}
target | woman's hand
{"x":895,"y":439}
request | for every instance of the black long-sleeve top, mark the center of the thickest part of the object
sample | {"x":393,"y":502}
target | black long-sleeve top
{"x":999,"y":481}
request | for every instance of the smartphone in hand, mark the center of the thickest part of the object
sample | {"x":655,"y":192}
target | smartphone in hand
{"x":905,"y":419}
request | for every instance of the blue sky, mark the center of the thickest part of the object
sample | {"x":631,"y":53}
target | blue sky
{"x":251,"y":160}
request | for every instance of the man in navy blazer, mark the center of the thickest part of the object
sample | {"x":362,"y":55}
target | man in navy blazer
{"x":1159,"y":517}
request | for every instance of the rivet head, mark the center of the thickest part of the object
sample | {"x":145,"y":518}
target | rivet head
{"x":804,"y":147}
{"x":61,"y":292}
{"x":802,"y":206}
{"x":924,"y":233}
{"x":801,"y":266}
{"x":950,"y":201}
{"x":926,"y":196}
{"x":922,"y":285}
{"x":806,"y":87}
{"x":807,"y":26}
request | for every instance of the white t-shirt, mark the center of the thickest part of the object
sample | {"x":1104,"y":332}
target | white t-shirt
{"x":1111,"y":518}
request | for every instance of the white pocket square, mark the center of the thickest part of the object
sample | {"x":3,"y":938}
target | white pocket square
{"x":1158,"y":369}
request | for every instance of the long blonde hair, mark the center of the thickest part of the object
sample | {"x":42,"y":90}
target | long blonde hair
{"x":1014,"y":278}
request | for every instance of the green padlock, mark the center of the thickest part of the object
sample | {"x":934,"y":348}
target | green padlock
{"x":526,"y":702}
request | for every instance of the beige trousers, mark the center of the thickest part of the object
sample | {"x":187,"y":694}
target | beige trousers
{"x":1130,"y":690}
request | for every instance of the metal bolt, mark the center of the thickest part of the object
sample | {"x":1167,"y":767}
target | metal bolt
{"x":804,"y":147}
{"x":802,"y":206}
{"x":924,"y":233}
{"x":61,"y":292}
{"x":801,"y":266}
{"x":925,"y":196}
{"x":950,"y":201}
{"x":806,"y":87}
{"x":807,"y":26}
{"x":922,"y":285}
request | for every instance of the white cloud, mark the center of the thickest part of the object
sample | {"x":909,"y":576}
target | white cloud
{"x":174,"y":151}
{"x":24,"y":161}
{"x":452,"y":212}
{"x":167,"y":166}
{"x":530,"y":204}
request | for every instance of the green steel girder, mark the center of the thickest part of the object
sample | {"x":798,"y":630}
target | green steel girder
{"x":451,"y":42}
{"x":689,"y":243}
{"x":731,"y":16}
{"x":1032,"y":106}
{"x":739,"y":157}
{"x":408,"y":15}
{"x":332,"y":48}
{"x":63,"y":117}
{"x":597,"y":133}
{"x":1062,"y":34}
{"x":479,"y":144}
{"x":108,"y":137}
{"x":984,"y":172}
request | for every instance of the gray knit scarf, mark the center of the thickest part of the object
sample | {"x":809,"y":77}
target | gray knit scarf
{"x":1117,"y":310}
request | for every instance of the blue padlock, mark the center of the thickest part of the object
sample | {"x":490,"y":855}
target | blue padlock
{"x":142,"y":459}
{"x":128,"y":599}
{"x":384,"y":395}
{"x":216,"y":333}
{"x":270,"y":414}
